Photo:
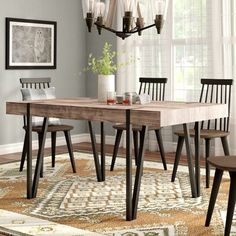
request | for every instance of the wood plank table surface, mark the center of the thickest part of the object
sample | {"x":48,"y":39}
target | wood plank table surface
{"x":156,"y":113}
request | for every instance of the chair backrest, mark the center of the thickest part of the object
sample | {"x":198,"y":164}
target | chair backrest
{"x":35,"y":83}
{"x":155,"y":87}
{"x":216,"y":91}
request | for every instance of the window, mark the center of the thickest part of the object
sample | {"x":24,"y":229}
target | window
{"x":191,"y":51}
{"x":184,"y":42}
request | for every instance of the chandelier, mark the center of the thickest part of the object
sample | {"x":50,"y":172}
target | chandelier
{"x":102,"y":13}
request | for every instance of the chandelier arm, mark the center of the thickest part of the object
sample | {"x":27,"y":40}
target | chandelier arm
{"x":147,"y":27}
{"x":135,"y":30}
{"x":106,"y":28}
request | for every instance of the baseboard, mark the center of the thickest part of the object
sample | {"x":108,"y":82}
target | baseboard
{"x":108,"y":139}
{"x":17,"y":147}
{"x":168,"y":146}
{"x":77,"y":138}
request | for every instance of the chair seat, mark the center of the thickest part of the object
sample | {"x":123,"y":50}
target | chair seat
{"x":205,"y":133}
{"x":227,"y":163}
{"x":52,"y":128}
{"x":134,"y":127}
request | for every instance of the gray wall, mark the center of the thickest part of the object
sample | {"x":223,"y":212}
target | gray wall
{"x":95,"y":44}
{"x":71,"y":57}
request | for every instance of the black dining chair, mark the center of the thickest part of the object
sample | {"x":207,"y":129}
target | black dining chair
{"x":38,"y":86}
{"x":155,"y":88}
{"x":213,"y":91}
{"x":223,"y":163}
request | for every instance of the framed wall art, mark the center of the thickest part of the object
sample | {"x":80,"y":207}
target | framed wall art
{"x":30,"y":44}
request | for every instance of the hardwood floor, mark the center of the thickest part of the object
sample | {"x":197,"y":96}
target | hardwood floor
{"x":86,"y":147}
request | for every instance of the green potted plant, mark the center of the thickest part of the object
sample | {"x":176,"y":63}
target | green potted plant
{"x":104,"y":67}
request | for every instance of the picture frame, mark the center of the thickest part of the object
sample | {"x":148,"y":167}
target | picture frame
{"x":30,"y":44}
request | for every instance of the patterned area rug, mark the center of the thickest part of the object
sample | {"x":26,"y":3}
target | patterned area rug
{"x":76,"y":204}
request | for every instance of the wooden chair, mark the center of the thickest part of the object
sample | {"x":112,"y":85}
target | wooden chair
{"x":223,"y":163}
{"x":213,"y":91}
{"x":43,"y":83}
{"x":155,"y":87}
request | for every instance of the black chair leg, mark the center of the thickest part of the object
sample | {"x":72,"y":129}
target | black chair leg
{"x":40,"y":137}
{"x":207,"y":166}
{"x":214,"y":192}
{"x":225,"y":146}
{"x":53,"y":144}
{"x":177,"y":157}
{"x":135,"y":138}
{"x":116,"y":147}
{"x":70,"y":150}
{"x":231,"y":203}
{"x":161,"y":147}
{"x":23,"y":156}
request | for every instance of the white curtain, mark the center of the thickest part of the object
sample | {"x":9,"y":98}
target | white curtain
{"x":198,"y":41}
{"x":228,"y":47}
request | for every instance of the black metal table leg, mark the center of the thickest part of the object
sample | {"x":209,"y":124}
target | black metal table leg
{"x":116,"y":148}
{"x":129,"y":213}
{"x":197,"y":157}
{"x":161,"y":147}
{"x":29,"y":151}
{"x":39,"y":161}
{"x":139,"y":171}
{"x":95,"y":153}
{"x":190,"y":164}
{"x":135,"y":141}
{"x":103,"y":170}
{"x":177,"y":157}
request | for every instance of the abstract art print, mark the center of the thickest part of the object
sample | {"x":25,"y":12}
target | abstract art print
{"x":30,"y":44}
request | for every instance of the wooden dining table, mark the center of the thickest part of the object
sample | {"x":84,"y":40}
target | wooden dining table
{"x":158,"y":113}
